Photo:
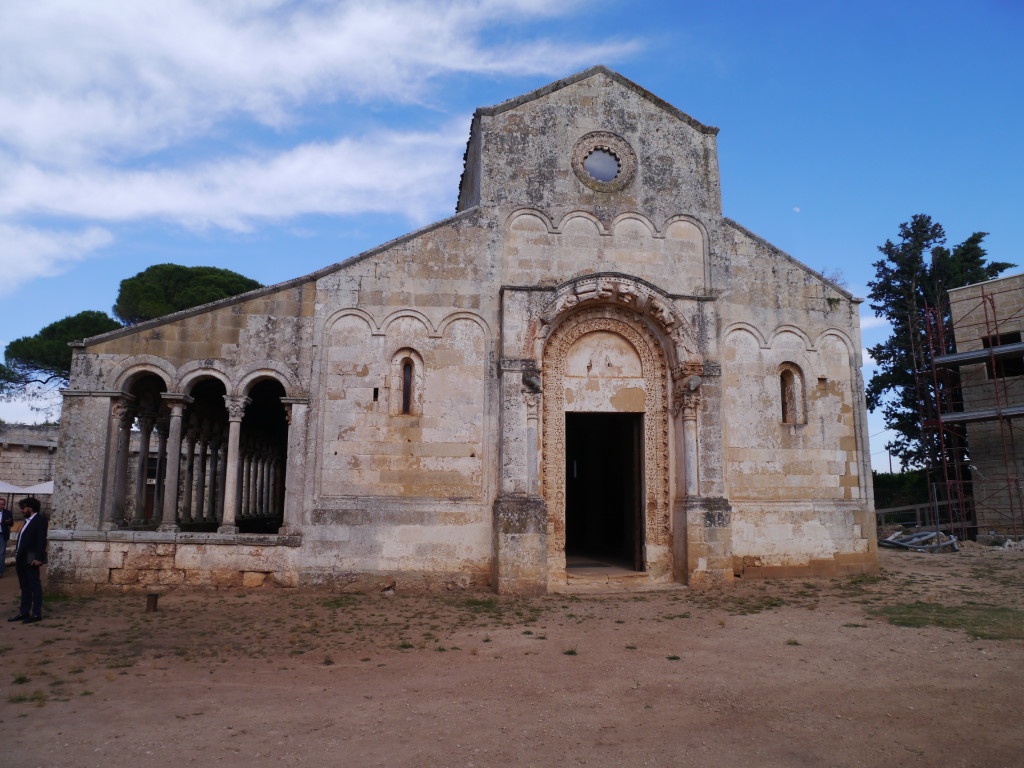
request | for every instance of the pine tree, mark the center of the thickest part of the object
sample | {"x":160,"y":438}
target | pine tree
{"x":916,"y":273}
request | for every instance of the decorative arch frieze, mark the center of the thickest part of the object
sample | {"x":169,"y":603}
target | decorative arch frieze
{"x":407,"y":313}
{"x":643,"y":221}
{"x":599,"y":227}
{"x":794,"y":330}
{"x":472,"y":317}
{"x":839,"y":336}
{"x":362,"y":314}
{"x":741,"y":327}
{"x":549,"y":227}
{"x":626,"y":323}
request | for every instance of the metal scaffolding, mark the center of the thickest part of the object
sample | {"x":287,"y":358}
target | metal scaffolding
{"x":970,"y":383}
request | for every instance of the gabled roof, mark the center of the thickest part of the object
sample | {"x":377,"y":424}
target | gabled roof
{"x":591,"y":72}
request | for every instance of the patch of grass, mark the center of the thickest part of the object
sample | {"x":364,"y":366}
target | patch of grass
{"x":482,"y":605}
{"x":986,"y":622}
{"x":570,"y":652}
{"x":21,"y":679}
{"x":854,"y":625}
{"x":673,"y":657}
{"x":866,"y":578}
{"x":37,"y":697}
{"x":346,"y":600}
{"x":792,"y":641}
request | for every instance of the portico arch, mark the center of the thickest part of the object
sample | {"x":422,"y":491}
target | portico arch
{"x":644,"y":390}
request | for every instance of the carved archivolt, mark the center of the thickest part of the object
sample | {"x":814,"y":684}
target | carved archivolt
{"x":619,"y":290}
{"x":656,"y":433}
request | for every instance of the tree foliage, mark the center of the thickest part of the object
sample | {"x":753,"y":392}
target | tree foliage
{"x":916,"y":272}
{"x":166,"y":288}
{"x":39,"y":363}
{"x":45,"y":358}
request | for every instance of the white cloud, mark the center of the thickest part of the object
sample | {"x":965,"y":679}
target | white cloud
{"x":27,"y":253}
{"x":98,"y":100}
{"x":872,"y":321}
{"x":113,"y":79}
{"x":407,"y":173}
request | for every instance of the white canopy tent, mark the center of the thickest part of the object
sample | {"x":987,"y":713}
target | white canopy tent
{"x":38,"y":488}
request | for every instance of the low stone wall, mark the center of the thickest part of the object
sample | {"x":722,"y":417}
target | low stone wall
{"x":91,"y":562}
{"x":840,"y":565}
{"x":86,"y":562}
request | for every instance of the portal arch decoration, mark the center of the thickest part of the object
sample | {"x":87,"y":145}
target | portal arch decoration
{"x":656,"y":507}
{"x":655,"y":307}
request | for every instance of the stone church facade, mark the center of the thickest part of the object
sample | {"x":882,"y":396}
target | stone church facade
{"x":586,"y":370}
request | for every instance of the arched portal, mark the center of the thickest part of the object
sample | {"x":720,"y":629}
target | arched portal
{"x":605,"y":405}
{"x":141,"y":453}
{"x":203,"y":468}
{"x":263,"y":458}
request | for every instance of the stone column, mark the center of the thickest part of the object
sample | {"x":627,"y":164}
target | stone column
{"x":190,"y":464}
{"x":275,"y":480}
{"x":122,"y":416}
{"x":236,"y":411}
{"x":215,"y":503}
{"x":520,"y":514}
{"x":685,"y":404}
{"x":244,"y":487}
{"x":161,"y":428}
{"x":294,"y":460}
{"x":169,"y":521}
{"x":203,"y":459}
{"x":142,"y":465}
{"x":701,"y":525}
{"x":261,"y":485}
{"x":532,"y":400}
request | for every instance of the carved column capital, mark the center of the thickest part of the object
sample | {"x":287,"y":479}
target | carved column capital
{"x":236,"y":406}
{"x":686,"y":397}
{"x":532,"y":401}
{"x":176,"y":402}
{"x":120,"y":407}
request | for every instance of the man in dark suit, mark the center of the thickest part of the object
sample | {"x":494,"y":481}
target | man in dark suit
{"x":28,"y":557}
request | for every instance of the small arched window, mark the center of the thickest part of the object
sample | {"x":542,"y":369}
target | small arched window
{"x":791,"y":394}
{"x":406,"y":383}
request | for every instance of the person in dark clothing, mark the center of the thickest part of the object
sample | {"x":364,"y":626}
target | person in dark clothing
{"x":6,"y":521}
{"x":29,"y":555}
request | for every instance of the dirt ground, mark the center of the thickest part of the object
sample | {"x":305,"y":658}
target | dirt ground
{"x":761,"y":674}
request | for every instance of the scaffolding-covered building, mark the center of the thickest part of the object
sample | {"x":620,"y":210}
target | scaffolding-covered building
{"x":977,"y":418}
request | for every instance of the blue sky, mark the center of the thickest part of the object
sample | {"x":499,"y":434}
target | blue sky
{"x":273,"y":138}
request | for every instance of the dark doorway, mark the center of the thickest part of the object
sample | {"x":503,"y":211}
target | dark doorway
{"x":604,"y":489}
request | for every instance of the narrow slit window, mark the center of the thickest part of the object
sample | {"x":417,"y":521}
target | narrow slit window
{"x":788,"y":387}
{"x":405,"y":383}
{"x":407,"y":386}
{"x":791,"y":394}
